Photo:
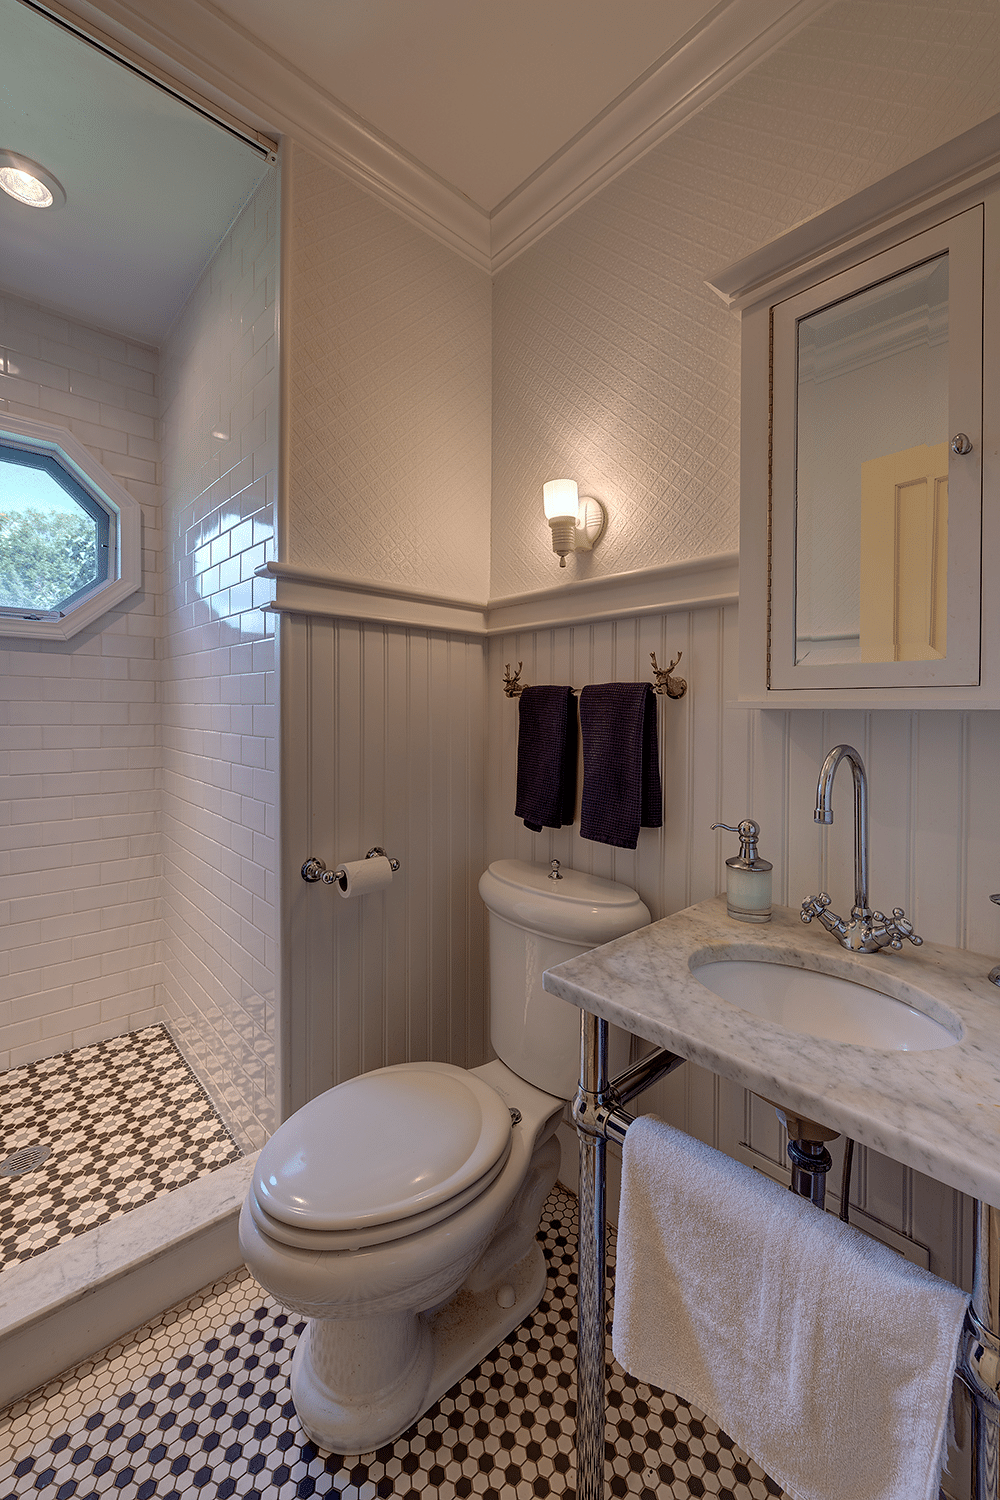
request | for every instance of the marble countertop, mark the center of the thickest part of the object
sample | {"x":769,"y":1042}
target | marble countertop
{"x":937,"y":1111}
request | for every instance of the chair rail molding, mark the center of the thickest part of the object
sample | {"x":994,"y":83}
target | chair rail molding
{"x":700,"y":582}
{"x":304,"y":590}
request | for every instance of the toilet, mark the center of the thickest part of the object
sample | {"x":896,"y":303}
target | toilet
{"x":398,"y":1211}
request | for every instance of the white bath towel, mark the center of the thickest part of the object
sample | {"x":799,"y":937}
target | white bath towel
{"x":825,"y":1356}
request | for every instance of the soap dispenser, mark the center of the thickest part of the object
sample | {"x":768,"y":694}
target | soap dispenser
{"x":748,"y":877}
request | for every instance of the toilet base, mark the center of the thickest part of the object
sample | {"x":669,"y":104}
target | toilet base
{"x":441,"y":1346}
{"x":352,"y":1379}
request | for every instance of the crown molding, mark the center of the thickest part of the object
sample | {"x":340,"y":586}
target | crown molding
{"x":218,"y":61}
{"x":728,"y":43}
{"x":222,"y":64}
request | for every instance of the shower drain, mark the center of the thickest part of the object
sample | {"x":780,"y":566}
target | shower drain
{"x":25,"y":1160}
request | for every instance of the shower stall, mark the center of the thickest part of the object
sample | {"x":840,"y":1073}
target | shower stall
{"x":138,"y":863}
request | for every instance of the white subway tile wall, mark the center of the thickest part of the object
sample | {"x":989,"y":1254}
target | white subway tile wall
{"x":78,"y":728}
{"x":219,"y":730}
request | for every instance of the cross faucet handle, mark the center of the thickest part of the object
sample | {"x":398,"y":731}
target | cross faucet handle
{"x":905,"y":928}
{"x":889,"y":932}
{"x":816,"y":906}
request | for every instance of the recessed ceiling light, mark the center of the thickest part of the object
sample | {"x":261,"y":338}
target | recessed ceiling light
{"x":29,"y":182}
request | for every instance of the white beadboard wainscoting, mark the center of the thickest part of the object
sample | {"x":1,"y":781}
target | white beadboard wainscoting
{"x":934,"y":829}
{"x":382,"y":744}
{"x":399,"y":734}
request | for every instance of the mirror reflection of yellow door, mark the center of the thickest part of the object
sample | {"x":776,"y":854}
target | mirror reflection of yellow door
{"x":904,"y":555}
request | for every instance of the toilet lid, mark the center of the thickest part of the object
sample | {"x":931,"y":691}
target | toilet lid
{"x":382,"y":1147}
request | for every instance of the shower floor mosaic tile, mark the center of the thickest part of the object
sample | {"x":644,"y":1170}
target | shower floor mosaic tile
{"x":126,"y":1121}
{"x":197,"y":1403}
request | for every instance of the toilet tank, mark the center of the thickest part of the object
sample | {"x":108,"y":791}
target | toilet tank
{"x":536,"y":922}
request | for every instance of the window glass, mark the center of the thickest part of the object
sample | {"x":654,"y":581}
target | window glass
{"x":55,"y":538}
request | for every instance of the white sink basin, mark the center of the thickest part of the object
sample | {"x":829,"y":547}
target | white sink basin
{"x":824,"y":1006}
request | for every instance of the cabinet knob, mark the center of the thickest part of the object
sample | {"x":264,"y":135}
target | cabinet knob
{"x":961,"y":444}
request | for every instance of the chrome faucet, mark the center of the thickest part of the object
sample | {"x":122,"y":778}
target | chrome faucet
{"x":868,"y":931}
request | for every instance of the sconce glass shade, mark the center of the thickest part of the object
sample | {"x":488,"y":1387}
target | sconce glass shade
{"x":561,"y":499}
{"x":576,"y":525}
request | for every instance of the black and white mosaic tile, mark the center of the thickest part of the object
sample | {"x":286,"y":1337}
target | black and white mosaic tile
{"x":126,"y":1121}
{"x":197,"y":1403}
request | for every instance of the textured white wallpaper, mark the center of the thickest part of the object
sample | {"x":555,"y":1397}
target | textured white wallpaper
{"x":615,"y":365}
{"x":390,"y":395}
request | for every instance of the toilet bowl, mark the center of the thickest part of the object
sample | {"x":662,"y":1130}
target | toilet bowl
{"x":398,"y":1212}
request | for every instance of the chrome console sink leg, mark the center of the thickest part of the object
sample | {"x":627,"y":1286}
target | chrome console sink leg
{"x":979,"y":1355}
{"x":591,"y":1295}
{"x":599,"y":1117}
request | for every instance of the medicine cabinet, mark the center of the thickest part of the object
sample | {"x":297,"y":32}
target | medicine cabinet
{"x":869,"y":504}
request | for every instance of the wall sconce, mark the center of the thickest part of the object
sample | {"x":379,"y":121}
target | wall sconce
{"x":577,"y":521}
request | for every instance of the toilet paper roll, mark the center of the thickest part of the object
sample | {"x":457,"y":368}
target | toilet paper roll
{"x":363,"y":875}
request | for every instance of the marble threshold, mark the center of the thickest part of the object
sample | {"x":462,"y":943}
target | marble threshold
{"x":67,"y":1303}
{"x":936,"y":1111}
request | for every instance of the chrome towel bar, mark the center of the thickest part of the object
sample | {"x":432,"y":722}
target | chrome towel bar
{"x":598,"y":1117}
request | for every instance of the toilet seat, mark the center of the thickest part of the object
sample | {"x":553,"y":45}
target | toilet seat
{"x":381,"y":1156}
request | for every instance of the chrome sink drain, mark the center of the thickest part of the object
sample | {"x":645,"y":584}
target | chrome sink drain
{"x":25,"y":1160}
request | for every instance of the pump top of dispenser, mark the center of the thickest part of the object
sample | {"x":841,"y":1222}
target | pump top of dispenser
{"x":748,"y":858}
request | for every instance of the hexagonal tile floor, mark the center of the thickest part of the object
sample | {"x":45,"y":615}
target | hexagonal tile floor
{"x":197,"y":1402}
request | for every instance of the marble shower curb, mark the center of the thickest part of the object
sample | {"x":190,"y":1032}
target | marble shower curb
{"x":69,"y":1302}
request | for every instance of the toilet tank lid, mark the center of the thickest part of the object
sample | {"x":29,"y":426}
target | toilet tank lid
{"x":578,"y":908}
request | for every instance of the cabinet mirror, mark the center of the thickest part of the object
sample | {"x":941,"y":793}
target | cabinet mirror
{"x":875,"y":504}
{"x":870,"y":443}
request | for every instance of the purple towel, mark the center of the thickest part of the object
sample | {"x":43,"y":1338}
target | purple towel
{"x":546,"y":757}
{"x":621,"y":770}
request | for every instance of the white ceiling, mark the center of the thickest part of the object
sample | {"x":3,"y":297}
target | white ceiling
{"x":151,"y":186}
{"x":481,"y":94}
{"x":486,"y":124}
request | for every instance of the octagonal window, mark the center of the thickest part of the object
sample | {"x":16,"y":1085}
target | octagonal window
{"x":55,"y":539}
{"x":69,"y":533}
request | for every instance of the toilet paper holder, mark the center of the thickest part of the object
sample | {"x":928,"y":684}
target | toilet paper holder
{"x":315,"y":869}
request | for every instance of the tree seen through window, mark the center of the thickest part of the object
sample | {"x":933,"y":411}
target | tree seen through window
{"x":53,"y":535}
